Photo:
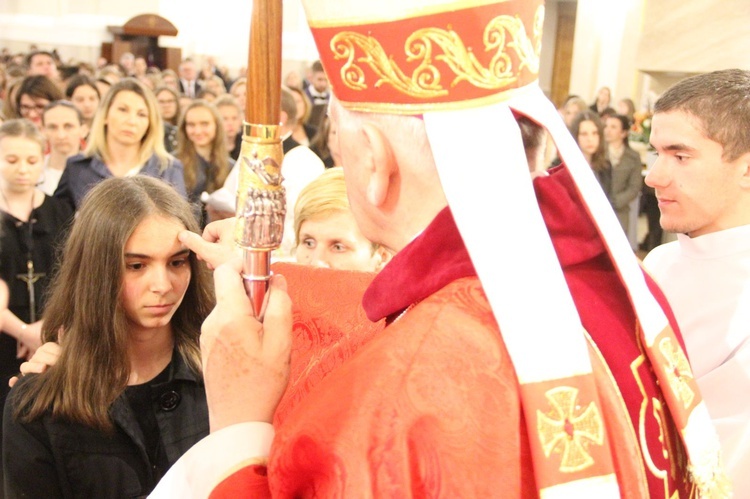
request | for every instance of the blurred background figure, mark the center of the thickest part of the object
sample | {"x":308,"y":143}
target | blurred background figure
{"x":239,"y":92}
{"x":127,"y":64}
{"x":169,"y":79}
{"x":231,"y":115}
{"x":84,"y":94}
{"x":573,"y":107}
{"x":207,"y":95}
{"x":627,"y":179}
{"x":303,"y":131}
{"x":34,"y":93}
{"x":626,"y":107}
{"x":293,"y":80}
{"x":169,"y":108}
{"x":40,"y":62}
{"x":602,"y":101}
{"x":189,"y":84}
{"x":65,"y":130}
{"x":588,"y":131}
{"x":139,"y":67}
{"x":318,"y":92}
{"x":325,"y":231}
{"x":325,"y":144}
{"x":203,"y":152}
{"x":215,"y":84}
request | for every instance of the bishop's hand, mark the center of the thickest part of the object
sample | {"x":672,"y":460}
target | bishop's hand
{"x":245,"y":362}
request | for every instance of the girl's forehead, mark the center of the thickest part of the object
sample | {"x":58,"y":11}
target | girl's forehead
{"x":24,"y":144}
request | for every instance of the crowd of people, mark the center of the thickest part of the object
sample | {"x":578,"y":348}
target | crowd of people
{"x":450,"y":364}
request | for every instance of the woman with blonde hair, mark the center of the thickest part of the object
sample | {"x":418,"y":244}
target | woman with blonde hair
{"x":326,"y":232}
{"x":215,"y":84}
{"x":202,"y":149}
{"x":303,"y":132}
{"x":125,"y":398}
{"x":126,"y":138}
{"x":239,"y":91}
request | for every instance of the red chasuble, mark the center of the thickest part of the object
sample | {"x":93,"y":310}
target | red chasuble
{"x":430,"y":405}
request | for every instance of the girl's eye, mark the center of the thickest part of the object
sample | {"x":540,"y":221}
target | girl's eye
{"x":179,"y":263}
{"x":134,"y":266}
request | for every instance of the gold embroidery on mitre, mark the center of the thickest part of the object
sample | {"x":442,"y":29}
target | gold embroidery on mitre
{"x":425,"y":80}
{"x":678,"y":371}
{"x":569,"y":429}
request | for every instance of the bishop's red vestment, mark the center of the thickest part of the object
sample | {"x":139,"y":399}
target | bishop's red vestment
{"x":430,"y":405}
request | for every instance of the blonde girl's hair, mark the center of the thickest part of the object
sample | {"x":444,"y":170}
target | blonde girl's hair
{"x":323,"y":196}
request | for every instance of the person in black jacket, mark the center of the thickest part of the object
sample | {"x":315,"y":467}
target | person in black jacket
{"x":126,"y":397}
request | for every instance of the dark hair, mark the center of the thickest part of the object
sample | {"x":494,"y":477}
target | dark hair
{"x":532,"y":134}
{"x":317,"y":67}
{"x":80,"y":80}
{"x":35,"y":53}
{"x":607,"y":112}
{"x":37,"y":86}
{"x":720,"y":101}
{"x":599,"y":158}
{"x":624,"y":123}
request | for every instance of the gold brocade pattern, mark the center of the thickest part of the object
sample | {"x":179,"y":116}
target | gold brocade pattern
{"x":430,"y":45}
{"x":569,"y":429}
{"x":678,"y":370}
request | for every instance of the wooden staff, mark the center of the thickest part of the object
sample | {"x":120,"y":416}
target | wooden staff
{"x":261,"y":199}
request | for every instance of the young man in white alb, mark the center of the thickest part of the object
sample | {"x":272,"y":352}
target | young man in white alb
{"x":702,"y":182}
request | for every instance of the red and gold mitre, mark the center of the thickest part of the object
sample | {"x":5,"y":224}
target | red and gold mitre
{"x":466,"y":67}
{"x":433,"y":56}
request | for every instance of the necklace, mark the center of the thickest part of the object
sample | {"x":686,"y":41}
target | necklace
{"x":30,"y":277}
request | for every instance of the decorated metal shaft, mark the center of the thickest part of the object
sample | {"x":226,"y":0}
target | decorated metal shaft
{"x":261,"y":199}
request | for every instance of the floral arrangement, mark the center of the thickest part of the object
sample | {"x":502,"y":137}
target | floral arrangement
{"x":641,"y":129}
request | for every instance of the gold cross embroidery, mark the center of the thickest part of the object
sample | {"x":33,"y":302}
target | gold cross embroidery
{"x":568,"y":429}
{"x":678,"y":371}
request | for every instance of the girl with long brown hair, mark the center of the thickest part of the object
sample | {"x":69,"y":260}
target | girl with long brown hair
{"x":126,"y":397}
{"x":202,"y":149}
{"x":588,"y":131}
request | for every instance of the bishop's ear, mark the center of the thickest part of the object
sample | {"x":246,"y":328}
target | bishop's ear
{"x":382,"y":165}
{"x":745,"y":162}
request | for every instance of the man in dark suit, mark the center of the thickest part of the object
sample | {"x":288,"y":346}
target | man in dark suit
{"x":189,"y":85}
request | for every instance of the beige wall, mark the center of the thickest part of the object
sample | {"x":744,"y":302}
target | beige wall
{"x":604,"y":49}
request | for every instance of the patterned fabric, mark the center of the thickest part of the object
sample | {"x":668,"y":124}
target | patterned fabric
{"x":431,"y":406}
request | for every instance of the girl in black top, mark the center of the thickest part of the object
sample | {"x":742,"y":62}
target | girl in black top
{"x":126,"y":397}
